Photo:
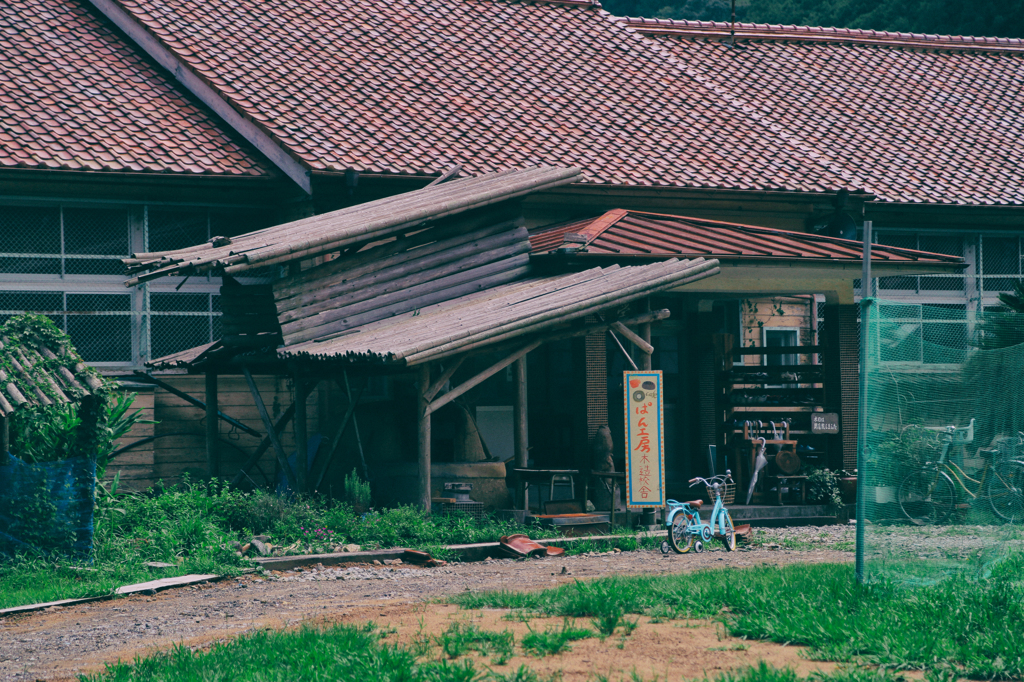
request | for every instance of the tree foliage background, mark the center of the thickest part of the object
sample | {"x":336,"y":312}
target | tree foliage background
{"x":1003,"y":18}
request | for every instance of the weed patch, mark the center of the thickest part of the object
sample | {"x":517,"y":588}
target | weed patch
{"x":970,"y":627}
{"x":554,"y":640}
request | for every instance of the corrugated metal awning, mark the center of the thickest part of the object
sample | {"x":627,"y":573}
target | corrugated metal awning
{"x":633,"y":233}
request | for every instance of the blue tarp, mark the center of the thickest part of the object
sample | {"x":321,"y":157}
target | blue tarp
{"x":46,"y":508}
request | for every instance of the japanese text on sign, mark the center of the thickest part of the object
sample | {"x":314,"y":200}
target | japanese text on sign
{"x":645,"y":452}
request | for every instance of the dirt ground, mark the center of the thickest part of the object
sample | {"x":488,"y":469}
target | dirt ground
{"x":60,"y":643}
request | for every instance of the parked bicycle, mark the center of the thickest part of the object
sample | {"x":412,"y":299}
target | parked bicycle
{"x":930,"y":494}
{"x":686,"y":531}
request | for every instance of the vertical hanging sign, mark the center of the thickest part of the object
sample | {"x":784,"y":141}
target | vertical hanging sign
{"x":645,"y":445}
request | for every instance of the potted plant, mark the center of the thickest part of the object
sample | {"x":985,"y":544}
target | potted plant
{"x":823,"y":488}
{"x":848,"y":485}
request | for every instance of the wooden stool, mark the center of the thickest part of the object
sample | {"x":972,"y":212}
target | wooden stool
{"x":786,"y":479}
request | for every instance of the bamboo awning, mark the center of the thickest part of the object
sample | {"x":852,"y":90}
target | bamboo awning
{"x":539,"y":308}
{"x":39,"y":366}
{"x":329,"y":232}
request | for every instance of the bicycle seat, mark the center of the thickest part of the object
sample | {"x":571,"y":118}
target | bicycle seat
{"x":696,"y":504}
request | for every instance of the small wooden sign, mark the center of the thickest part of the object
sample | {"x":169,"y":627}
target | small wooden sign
{"x":824,"y":422}
{"x":645,"y":444}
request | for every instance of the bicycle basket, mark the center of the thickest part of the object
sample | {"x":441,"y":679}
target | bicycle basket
{"x":728,"y":494}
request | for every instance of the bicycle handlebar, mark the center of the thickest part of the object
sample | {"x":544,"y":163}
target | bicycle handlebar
{"x":727,"y":476}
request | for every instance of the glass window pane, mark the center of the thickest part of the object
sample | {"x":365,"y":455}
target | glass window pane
{"x":94,"y":266}
{"x":100,"y":231}
{"x":175,"y":229}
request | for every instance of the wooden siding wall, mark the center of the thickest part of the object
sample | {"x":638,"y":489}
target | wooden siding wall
{"x":757,"y":314}
{"x":181,"y":446}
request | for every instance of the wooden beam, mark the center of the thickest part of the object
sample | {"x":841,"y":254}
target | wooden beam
{"x":183,"y":73}
{"x":645,"y":335}
{"x":212,"y":426}
{"x":5,"y":436}
{"x":282,"y":458}
{"x":142,"y":376}
{"x":423,"y":440}
{"x":445,"y":376}
{"x":629,"y":358}
{"x":520,"y":429}
{"x":481,"y":377}
{"x":447,"y":175}
{"x":644,"y":345}
{"x":264,"y":445}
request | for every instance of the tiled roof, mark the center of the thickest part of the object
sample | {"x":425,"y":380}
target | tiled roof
{"x":73,"y":95}
{"x":39,"y":366}
{"x":411,"y":86}
{"x":634,"y":233}
{"x":908,"y":117}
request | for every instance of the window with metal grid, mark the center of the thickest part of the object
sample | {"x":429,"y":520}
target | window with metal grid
{"x":65,"y":262}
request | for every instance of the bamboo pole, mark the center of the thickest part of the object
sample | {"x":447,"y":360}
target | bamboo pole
{"x":645,"y":347}
{"x":588,"y":304}
{"x":331,"y":300}
{"x":445,"y":376}
{"x":328,"y":232}
{"x":427,"y":294}
{"x":480,"y":377}
{"x":423,"y":439}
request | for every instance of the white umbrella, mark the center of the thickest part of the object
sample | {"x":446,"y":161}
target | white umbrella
{"x":760,"y":462}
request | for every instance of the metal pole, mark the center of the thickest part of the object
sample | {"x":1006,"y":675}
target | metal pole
{"x":424,"y":435}
{"x":866,"y":305}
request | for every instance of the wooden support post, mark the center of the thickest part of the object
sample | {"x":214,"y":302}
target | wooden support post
{"x":5,"y":436}
{"x":478,"y":378}
{"x":520,"y":429}
{"x":424,"y":435}
{"x":645,"y":334}
{"x":212,"y":426}
{"x":282,"y":459}
{"x":301,"y":460}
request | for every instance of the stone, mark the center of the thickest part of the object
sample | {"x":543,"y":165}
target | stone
{"x":261,"y":547}
{"x":376,"y":562}
{"x":387,"y":562}
{"x":351,"y":548}
{"x":261,"y":538}
{"x":159,"y":564}
{"x":397,"y":561}
{"x":245,"y":548}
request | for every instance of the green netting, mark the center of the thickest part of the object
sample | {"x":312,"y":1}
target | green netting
{"x":941,"y":479}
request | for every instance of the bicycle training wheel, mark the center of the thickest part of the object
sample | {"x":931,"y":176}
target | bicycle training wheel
{"x":680,"y":540}
{"x":927,"y":496}
{"x":1006,"y":491}
{"x":729,"y":539}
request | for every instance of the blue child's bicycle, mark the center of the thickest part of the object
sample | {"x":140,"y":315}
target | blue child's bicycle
{"x":686,"y":531}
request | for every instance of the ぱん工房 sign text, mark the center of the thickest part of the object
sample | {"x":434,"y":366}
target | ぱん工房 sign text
{"x":645,"y":445}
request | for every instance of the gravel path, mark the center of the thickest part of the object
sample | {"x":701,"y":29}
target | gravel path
{"x":61,"y":642}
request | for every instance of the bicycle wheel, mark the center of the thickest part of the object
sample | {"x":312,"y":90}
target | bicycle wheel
{"x":1006,"y":491}
{"x":927,"y":496}
{"x":681,"y":541}
{"x":729,"y":539}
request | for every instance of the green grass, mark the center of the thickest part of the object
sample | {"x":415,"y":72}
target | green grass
{"x":462,"y":638}
{"x":974,"y":627}
{"x":190,"y":526}
{"x":341,"y":652}
{"x":554,"y":640}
